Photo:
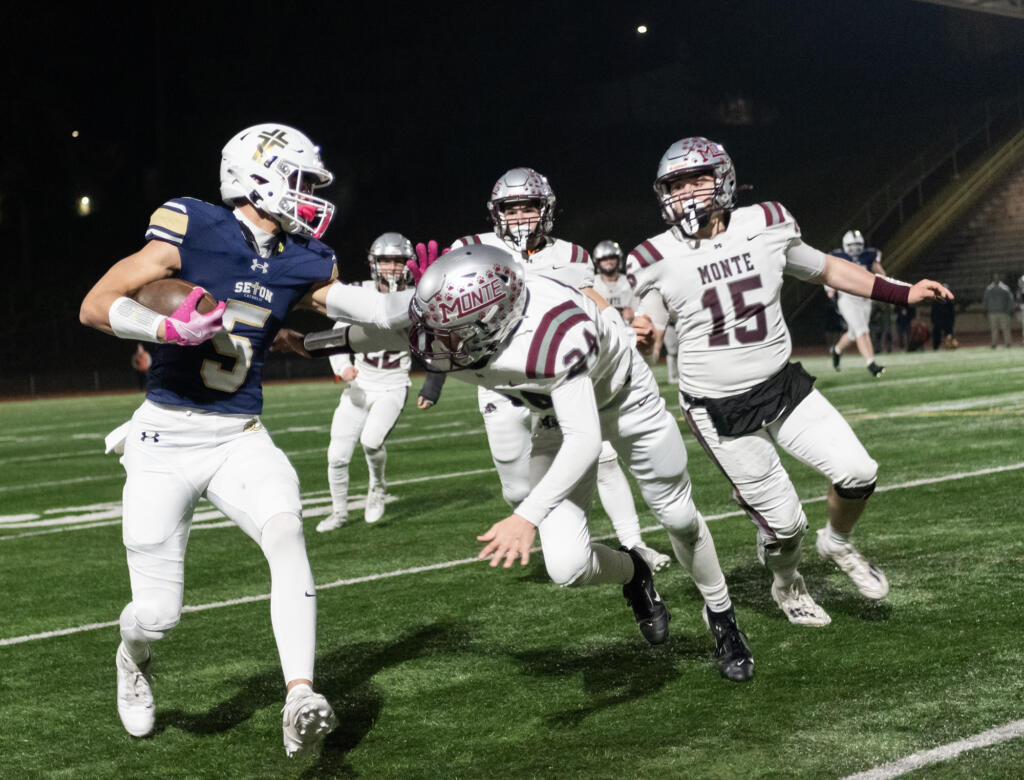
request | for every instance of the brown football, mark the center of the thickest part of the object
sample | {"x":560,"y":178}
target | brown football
{"x":164,"y":296}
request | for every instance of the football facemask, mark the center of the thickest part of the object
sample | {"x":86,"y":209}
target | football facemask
{"x":519,"y":185}
{"x":691,"y":211}
{"x":465,"y":306}
{"x":276,"y":168}
{"x":853,"y":242}
{"x":396,"y":248}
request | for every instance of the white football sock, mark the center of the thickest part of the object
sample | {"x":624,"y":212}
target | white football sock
{"x":700,"y":559}
{"x":376,"y":460}
{"x":337,"y":479}
{"x":292,"y":595}
{"x":617,"y":500}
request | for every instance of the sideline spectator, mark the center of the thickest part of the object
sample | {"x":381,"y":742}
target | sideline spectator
{"x":999,"y":305}
{"x":904,"y":317}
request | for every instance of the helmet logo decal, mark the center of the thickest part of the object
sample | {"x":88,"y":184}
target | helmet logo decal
{"x":268,"y":140}
{"x":471,"y":301}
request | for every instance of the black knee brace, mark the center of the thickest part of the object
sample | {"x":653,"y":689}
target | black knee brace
{"x":860,"y":491}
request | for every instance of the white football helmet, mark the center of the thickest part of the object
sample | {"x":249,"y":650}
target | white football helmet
{"x":466,"y":304}
{"x":853,"y":242}
{"x":685,"y":158}
{"x":396,"y":247}
{"x":276,"y":168}
{"x":518,"y":185}
{"x":608,"y":251}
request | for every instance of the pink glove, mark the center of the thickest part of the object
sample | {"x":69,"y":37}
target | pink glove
{"x":187,"y":327}
{"x":425,"y":257}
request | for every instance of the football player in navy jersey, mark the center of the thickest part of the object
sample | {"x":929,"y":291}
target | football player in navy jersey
{"x":198,"y":433}
{"x":856,"y":310}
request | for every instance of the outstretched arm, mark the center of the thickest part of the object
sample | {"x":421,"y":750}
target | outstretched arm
{"x":852,"y":278}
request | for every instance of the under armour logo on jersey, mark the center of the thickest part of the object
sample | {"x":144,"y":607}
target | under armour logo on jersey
{"x":153,"y":436}
{"x":258,"y":266}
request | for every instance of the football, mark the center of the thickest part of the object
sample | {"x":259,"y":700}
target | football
{"x":164,"y":296}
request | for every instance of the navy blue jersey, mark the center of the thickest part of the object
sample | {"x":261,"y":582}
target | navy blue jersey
{"x":867,"y":258}
{"x":225,"y":374}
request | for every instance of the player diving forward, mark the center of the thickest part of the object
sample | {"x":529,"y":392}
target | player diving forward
{"x":198,"y":433}
{"x":719,"y":269}
{"x":522,"y":207}
{"x":373,"y":401}
{"x":476,"y":313}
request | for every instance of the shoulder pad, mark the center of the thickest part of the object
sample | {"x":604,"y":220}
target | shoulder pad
{"x":170,"y":222}
{"x":542,"y":357}
{"x":467,"y":240}
{"x":646,"y":254}
{"x":776,"y":215}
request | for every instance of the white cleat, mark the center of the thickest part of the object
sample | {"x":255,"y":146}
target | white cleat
{"x":798,"y":605}
{"x":655,"y":560}
{"x":375,"y":503}
{"x":135,"y":704}
{"x":868,"y":578}
{"x":306,"y":719}
{"x":332,"y":522}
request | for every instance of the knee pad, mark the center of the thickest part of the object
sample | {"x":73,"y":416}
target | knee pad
{"x":569,"y":574}
{"x":855,"y":492}
{"x":781,"y":542}
{"x":336,"y":457}
{"x":282,"y":528}
{"x":680,"y":518}
{"x":153,"y":613}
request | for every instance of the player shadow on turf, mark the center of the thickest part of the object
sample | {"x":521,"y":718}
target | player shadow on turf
{"x":750,"y":589}
{"x":614,"y":674}
{"x":345,"y":677}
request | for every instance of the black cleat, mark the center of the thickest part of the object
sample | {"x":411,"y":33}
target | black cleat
{"x":651,"y":614}
{"x":835,"y":357}
{"x":875,"y":369}
{"x":735,"y":661}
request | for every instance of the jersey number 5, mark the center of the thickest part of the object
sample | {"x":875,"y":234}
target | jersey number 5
{"x":742,"y":311}
{"x":238,"y":348}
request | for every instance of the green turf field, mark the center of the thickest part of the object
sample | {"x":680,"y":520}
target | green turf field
{"x":441,"y":667}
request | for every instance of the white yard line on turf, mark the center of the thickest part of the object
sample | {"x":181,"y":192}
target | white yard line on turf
{"x":942,"y":753}
{"x":447,"y":564}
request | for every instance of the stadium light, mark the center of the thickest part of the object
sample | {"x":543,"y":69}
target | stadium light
{"x":84,"y":206}
{"x":641,"y":29}
{"x":74,"y":134}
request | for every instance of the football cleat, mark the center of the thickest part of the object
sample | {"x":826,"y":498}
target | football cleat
{"x":332,"y":522}
{"x":306,"y":719}
{"x":868,"y":578}
{"x":875,"y":369}
{"x":135,"y":704}
{"x":655,"y":560}
{"x":375,"y":499}
{"x":735,"y":661}
{"x":651,"y":614}
{"x":798,"y":605}
{"x":835,"y":357}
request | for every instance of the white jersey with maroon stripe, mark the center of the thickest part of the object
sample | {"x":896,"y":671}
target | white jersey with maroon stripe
{"x":724,"y":293}
{"x":561,"y":336}
{"x":384,"y":370}
{"x":562,"y":260}
{"x":618,"y":293}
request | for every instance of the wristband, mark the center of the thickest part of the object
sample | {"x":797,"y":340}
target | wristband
{"x":131,"y":320}
{"x":890,"y":292}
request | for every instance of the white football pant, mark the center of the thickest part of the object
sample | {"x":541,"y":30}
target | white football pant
{"x":856,"y":311}
{"x":172,"y":458}
{"x":366,"y":416}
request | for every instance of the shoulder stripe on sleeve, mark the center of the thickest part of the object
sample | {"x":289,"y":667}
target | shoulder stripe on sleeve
{"x":540,"y":360}
{"x":586,"y":257}
{"x":779,"y":210}
{"x":168,"y":223}
{"x":646,"y":254}
{"x":769,"y":215}
{"x":574,"y":257}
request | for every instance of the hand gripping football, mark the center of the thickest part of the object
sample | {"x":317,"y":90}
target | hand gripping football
{"x":164,"y":296}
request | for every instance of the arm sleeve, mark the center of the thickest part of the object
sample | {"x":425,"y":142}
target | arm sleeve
{"x":432,"y":384}
{"x":804,"y":261}
{"x":360,"y":306}
{"x":576,"y":409}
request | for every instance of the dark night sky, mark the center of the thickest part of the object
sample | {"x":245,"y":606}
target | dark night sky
{"x":419,"y":109}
